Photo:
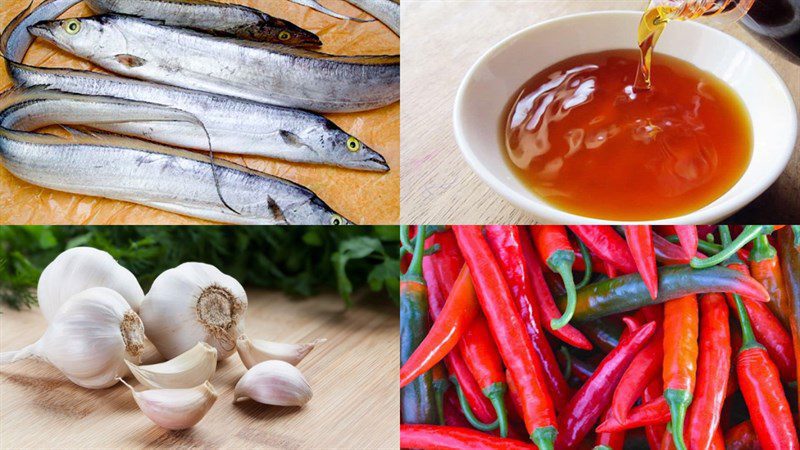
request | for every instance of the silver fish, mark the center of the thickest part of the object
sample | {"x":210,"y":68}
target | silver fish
{"x":314,"y":4}
{"x":234,"y":125}
{"x":258,"y":71}
{"x":132,"y":170}
{"x":217,"y":18}
{"x":387,"y":11}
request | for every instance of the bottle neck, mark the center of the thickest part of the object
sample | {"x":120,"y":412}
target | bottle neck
{"x":719,"y":11}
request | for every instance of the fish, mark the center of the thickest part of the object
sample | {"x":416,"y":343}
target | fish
{"x":314,"y":4}
{"x":127,"y":169}
{"x":387,"y":11}
{"x":234,"y":125}
{"x":257,"y":71}
{"x":223,"y":19}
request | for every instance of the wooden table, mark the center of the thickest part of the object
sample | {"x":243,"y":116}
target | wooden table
{"x":353,"y":376}
{"x":441,"y":40}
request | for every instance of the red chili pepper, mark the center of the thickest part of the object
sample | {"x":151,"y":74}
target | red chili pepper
{"x":651,"y":393}
{"x":645,"y":366}
{"x":759,"y":382}
{"x":506,"y":326}
{"x":476,"y":401}
{"x":767,"y":329}
{"x":448,"y":260}
{"x":717,"y":440}
{"x":761,"y":388}
{"x":612,"y":440}
{"x":765,"y":268}
{"x":687,"y":234}
{"x":640,"y":243}
{"x":656,"y":412}
{"x":713,"y":367}
{"x":594,"y":397}
{"x":668,"y":253}
{"x":789,"y":251}
{"x":547,"y":305}
{"x":506,"y":244}
{"x":483,"y":359}
{"x":680,"y":360}
{"x":459,"y":311}
{"x":603,"y":241}
{"x":553,"y":245}
{"x":598,"y":265}
{"x":742,"y":437}
{"x":451,"y":438}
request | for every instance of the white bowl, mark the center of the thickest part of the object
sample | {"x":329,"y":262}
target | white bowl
{"x":502,"y":70}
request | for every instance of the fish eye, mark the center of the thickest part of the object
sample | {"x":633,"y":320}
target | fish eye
{"x":284,"y":35}
{"x":353,"y":144}
{"x":337,"y":220}
{"x":72,"y":26}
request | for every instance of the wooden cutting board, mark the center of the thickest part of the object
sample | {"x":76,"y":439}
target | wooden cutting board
{"x":353,"y":376}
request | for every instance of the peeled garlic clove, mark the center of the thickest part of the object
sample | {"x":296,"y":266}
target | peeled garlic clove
{"x":255,"y":351}
{"x":274,"y":383}
{"x":81,"y":268}
{"x":175,"y":409}
{"x":89,"y":339}
{"x":190,"y":369}
{"x":193,"y":303}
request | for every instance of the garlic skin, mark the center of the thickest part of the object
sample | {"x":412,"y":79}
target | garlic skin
{"x":254,"y":351}
{"x":274,"y":383}
{"x":193,"y":303}
{"x":81,"y":268}
{"x":187,"y":370}
{"x":89,"y":339}
{"x":175,"y":409}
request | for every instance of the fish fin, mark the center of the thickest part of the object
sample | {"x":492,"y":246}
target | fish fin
{"x":276,"y":211}
{"x":130,"y":61}
{"x":79,"y":132}
{"x":290,"y":138}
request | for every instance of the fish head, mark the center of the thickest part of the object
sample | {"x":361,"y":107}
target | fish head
{"x":313,"y":212}
{"x":284,"y":32}
{"x":87,"y":37}
{"x":351,"y":152}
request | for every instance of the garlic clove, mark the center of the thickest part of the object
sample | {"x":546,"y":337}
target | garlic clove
{"x":256,"y":351}
{"x":189,"y":369}
{"x":274,"y":383}
{"x":175,"y":409}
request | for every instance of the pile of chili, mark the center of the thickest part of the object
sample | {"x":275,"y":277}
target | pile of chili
{"x":648,"y":351}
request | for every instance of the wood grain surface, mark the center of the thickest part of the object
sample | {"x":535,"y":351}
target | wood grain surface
{"x":441,"y":40}
{"x":353,"y":376}
{"x":363,"y":197}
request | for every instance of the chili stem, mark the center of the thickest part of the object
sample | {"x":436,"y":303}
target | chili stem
{"x":748,"y":337}
{"x":750,"y":232}
{"x":587,"y":263}
{"x":465,"y":408}
{"x":496,"y":394}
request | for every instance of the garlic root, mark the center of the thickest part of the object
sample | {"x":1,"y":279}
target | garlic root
{"x":193,"y":303}
{"x":257,"y":351}
{"x":274,"y":383}
{"x":187,"y":370}
{"x":175,"y":409}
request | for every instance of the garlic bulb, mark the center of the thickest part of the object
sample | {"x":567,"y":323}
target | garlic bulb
{"x":256,"y":351}
{"x":81,"y":268}
{"x":274,"y":383}
{"x":193,"y":303}
{"x":175,"y":409}
{"x":89,"y":339}
{"x":190,"y":369}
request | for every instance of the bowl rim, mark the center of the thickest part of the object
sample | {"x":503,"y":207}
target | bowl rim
{"x":549,"y":214}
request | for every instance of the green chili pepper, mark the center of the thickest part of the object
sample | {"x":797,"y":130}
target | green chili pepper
{"x":418,"y":399}
{"x":628,"y":292}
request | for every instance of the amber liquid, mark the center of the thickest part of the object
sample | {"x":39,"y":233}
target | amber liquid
{"x":583,"y":139}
